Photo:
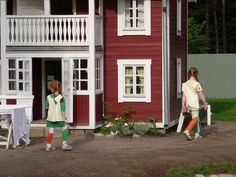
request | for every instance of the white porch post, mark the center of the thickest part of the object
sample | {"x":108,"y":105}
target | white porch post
{"x":91,"y":65}
{"x":3,"y":46}
{"x":47,"y":7}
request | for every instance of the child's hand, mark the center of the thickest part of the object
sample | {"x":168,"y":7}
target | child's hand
{"x":183,"y":109}
{"x":205,"y":106}
{"x":63,"y":114}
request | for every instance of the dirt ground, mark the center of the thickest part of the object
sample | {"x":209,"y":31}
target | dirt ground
{"x":120,"y":156}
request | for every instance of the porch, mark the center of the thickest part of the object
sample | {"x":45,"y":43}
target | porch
{"x":52,"y":30}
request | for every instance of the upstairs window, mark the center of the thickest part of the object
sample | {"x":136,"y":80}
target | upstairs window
{"x":179,"y":77}
{"x":134,"y":17}
{"x":179,"y":17}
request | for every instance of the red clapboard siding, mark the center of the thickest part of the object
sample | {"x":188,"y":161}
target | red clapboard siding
{"x":178,"y":49}
{"x":133,"y":47}
{"x":81,"y":109}
{"x":11,"y":101}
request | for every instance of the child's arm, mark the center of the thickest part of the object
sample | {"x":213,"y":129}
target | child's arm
{"x":183,"y":103}
{"x":203,"y":99}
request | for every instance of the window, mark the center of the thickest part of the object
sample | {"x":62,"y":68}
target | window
{"x":134,"y":17}
{"x":19,"y":78}
{"x":178,"y":13}
{"x":134,"y":80}
{"x":80,"y":75}
{"x":179,"y":77}
{"x":98,"y":74}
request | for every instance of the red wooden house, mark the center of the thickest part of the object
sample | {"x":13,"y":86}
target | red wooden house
{"x":120,"y":52}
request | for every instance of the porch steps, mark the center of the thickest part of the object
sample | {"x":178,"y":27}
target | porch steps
{"x":39,"y":129}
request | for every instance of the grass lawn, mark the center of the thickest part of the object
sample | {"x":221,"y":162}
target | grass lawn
{"x":222,"y":109}
{"x":228,"y":168}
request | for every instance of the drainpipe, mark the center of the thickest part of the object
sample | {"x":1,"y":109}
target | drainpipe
{"x":165,"y":65}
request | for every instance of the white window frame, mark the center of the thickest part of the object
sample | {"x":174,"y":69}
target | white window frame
{"x":79,"y":91}
{"x":122,"y":63}
{"x":146,"y":30}
{"x":179,"y":78}
{"x":178,"y":17}
{"x":17,"y":79}
{"x":99,"y":75}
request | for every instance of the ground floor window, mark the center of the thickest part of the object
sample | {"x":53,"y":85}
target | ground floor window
{"x":19,"y":75}
{"x":80,"y":74}
{"x":134,"y":80}
{"x":98,"y":74}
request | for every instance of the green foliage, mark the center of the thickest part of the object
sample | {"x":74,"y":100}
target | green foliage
{"x":105,"y":130}
{"x":140,"y":128}
{"x":197,"y":39}
{"x":222,"y":109}
{"x":212,"y":168}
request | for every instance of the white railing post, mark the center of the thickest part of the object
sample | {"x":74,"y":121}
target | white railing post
{"x":209,"y":115}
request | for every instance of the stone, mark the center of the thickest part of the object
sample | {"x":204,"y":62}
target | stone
{"x":199,"y":175}
{"x":136,"y":136}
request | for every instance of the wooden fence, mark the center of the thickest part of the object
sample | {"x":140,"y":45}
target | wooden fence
{"x":217,"y":73}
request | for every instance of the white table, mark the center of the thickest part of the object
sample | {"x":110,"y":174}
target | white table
{"x":17,"y":124}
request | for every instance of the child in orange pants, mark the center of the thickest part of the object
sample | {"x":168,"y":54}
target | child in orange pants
{"x":192,"y":91}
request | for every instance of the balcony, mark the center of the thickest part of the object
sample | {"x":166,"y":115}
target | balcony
{"x":63,"y":30}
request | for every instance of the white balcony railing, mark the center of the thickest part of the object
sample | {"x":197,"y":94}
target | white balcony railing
{"x":47,"y":30}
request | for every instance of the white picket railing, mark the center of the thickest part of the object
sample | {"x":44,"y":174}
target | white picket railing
{"x":50,"y":30}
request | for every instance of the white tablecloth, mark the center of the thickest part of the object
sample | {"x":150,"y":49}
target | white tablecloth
{"x":19,"y":122}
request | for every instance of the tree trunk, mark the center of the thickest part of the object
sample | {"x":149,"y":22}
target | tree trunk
{"x":207,"y":10}
{"x":216,"y":27}
{"x":224,"y":27}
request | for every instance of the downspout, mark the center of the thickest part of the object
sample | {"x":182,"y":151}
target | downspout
{"x":165,"y":64}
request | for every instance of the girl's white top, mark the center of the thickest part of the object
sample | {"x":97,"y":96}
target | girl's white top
{"x":54,"y":110}
{"x":191,"y":89}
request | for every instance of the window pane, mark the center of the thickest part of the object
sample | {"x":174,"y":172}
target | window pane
{"x":12,"y":74}
{"x":26,"y":65}
{"x":140,"y":89}
{"x":128,"y":90}
{"x":83,"y":64}
{"x":128,"y":80}
{"x":139,"y":80}
{"x":84,"y":85}
{"x":76,"y":74}
{"x":20,"y":64}
{"x":27,"y":76}
{"x":128,"y":70}
{"x":140,"y":70}
{"x":76,"y":63}
{"x":84,"y":74}
{"x":12,"y":64}
{"x":21,"y":75}
{"x":20,"y":86}
{"x":26,"y":86}
{"x":12,"y":85}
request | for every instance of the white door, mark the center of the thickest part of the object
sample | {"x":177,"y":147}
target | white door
{"x":67,"y":86}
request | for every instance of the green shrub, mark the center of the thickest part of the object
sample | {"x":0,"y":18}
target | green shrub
{"x":141,"y":129}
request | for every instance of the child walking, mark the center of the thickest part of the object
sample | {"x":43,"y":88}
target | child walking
{"x":56,"y":115}
{"x":192,"y":92}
